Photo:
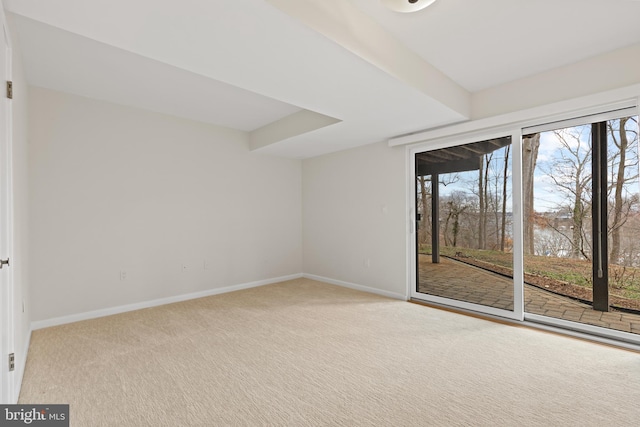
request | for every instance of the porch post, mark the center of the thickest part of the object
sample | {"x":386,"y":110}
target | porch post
{"x":435,"y":219}
{"x":599,"y":222}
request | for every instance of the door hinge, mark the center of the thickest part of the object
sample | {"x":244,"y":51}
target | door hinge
{"x":10,"y":89}
{"x":12,"y":361}
{"x":4,"y":262}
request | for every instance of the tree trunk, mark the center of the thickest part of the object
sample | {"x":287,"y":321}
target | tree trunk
{"x":423,"y":234}
{"x":496,"y":221}
{"x":481,"y":203}
{"x":445,"y":232}
{"x":530,"y":145}
{"x":614,"y":253}
{"x":456,"y":228}
{"x":485,"y":214}
{"x":576,"y":220}
{"x":504,"y":198}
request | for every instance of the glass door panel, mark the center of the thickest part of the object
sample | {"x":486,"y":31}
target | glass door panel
{"x":623,"y":225}
{"x":582,"y":224}
{"x":464,"y":233}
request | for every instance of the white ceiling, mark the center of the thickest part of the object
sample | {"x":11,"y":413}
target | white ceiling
{"x":63,"y":61}
{"x":247,"y":64}
{"x":481,"y":44}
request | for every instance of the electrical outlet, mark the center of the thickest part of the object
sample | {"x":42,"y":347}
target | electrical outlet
{"x":123,"y":275}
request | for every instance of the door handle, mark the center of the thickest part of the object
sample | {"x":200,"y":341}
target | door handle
{"x":4,"y":262}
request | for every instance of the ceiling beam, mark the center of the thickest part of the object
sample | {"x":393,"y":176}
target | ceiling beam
{"x":292,"y":125}
{"x":355,"y":31}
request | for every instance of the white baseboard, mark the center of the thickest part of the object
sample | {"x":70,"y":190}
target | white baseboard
{"x":389,"y":294}
{"x":40,"y":324}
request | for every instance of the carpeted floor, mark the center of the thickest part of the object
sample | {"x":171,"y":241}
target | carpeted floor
{"x":304,"y":353}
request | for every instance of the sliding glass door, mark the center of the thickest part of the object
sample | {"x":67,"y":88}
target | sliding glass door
{"x":464,"y":226}
{"x":541,"y":225}
{"x":581,"y":199}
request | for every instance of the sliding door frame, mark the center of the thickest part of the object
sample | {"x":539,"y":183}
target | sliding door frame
{"x":515,"y":125}
{"x":516,"y":165}
{"x":600,"y":285}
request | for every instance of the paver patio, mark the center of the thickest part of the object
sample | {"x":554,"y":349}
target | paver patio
{"x":463,"y":282}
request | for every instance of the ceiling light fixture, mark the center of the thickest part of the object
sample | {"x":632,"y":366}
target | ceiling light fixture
{"x":406,"y":6}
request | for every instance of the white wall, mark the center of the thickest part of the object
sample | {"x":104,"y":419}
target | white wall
{"x":119,"y":189}
{"x":354,"y":210}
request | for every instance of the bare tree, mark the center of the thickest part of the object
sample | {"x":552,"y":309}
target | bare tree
{"x":481,"y":204}
{"x":505,"y":172}
{"x":496,"y":204}
{"x":424,"y":208}
{"x":530,"y":146}
{"x":485,"y":214}
{"x":456,"y":205}
{"x":622,"y":145}
{"x":424,"y":202}
{"x":483,"y":198}
{"x":571,"y":174}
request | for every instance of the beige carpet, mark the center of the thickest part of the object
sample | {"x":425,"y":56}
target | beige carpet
{"x":306,"y":353}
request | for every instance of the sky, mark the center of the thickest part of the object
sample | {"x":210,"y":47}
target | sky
{"x":547,"y":195}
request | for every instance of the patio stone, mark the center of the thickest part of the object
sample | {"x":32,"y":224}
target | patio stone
{"x":459,"y":281}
